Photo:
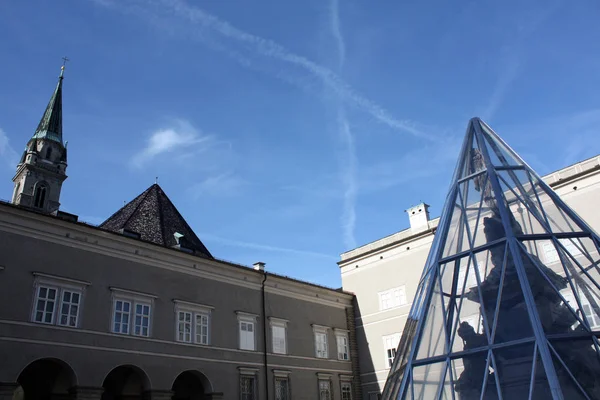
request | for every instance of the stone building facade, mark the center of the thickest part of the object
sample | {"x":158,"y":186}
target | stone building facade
{"x":138,"y":308}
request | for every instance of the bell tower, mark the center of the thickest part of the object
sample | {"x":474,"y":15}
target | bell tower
{"x":42,"y":168}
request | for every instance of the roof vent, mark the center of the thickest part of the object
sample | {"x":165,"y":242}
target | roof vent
{"x":182,"y":244}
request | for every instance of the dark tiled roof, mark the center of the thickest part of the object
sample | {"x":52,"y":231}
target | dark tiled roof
{"x":156,"y":220}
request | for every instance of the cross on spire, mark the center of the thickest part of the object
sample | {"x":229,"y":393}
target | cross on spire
{"x":62,"y":69}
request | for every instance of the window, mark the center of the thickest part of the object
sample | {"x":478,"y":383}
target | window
{"x":324,"y":389}
{"x":341,"y":337}
{"x":346,"y":391}
{"x":592,"y":317}
{"x":550,"y":253}
{"x":57,"y":300}
{"x":192,"y":322}
{"x":39,"y":198}
{"x":132,"y":312}
{"x":248,"y":389}
{"x":321,"y":350}
{"x":390,"y":344}
{"x":392,"y":298}
{"x":48,"y":152}
{"x":278,"y":335}
{"x":282,"y":385}
{"x":247,"y":325}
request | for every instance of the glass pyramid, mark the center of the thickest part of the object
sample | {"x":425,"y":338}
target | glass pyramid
{"x":508,"y":306}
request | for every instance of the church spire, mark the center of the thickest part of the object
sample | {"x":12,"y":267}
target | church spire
{"x":42,"y":168}
{"x":50,"y":126}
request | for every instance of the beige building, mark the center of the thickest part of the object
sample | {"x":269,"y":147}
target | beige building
{"x":384,"y":274}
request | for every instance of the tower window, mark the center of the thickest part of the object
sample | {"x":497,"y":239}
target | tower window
{"x":48,"y":153}
{"x":40,"y":196}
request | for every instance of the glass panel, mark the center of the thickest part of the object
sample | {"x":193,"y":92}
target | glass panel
{"x":456,"y":231}
{"x":577,"y":367}
{"x":499,"y":154}
{"x":427,"y":380}
{"x":433,"y":338}
{"x":526,"y":215}
{"x":513,"y":370}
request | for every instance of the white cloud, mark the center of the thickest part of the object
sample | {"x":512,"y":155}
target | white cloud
{"x":7,"y":153}
{"x":256,"y":246}
{"x":181,"y":136}
{"x":204,"y":22}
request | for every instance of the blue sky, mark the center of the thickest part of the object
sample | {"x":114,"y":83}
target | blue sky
{"x":289,"y":132}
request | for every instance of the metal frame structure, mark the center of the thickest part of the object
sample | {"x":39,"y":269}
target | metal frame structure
{"x":487,"y":263}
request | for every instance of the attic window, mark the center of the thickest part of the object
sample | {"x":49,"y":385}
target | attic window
{"x":129,"y":233}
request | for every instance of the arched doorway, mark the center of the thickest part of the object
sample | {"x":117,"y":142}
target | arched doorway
{"x":125,"y":382}
{"x":191,"y":385}
{"x":46,"y":379}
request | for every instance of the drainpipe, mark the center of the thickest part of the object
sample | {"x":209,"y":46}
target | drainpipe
{"x":260,"y":266}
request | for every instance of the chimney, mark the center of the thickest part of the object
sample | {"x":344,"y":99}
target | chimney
{"x":419,"y":217}
{"x":259,"y":266}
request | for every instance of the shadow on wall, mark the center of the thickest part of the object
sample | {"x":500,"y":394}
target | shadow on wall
{"x":369,"y":387}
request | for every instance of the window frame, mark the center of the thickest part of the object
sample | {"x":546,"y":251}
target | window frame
{"x":195,"y":310}
{"x":395,"y":337}
{"x":342,"y":334}
{"x":278,"y":323}
{"x":247,"y":318}
{"x":251,"y":373}
{"x":345,"y":382}
{"x":392,"y":298}
{"x":60,"y":285}
{"x":324,"y":378}
{"x":279,"y":375}
{"x":134,"y":299}
{"x":321,"y":330}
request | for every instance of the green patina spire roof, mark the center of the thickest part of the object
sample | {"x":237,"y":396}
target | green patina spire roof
{"x":50,"y":127}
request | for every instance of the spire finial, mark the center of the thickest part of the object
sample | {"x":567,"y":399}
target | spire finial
{"x":62,"y":69}
{"x":156,"y":180}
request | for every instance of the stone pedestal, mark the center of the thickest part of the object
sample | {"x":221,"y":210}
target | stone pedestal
{"x":86,"y":393}
{"x":7,"y":391}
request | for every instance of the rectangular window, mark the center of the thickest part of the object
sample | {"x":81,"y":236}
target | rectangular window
{"x":45,"y":303}
{"x":69,"y":308}
{"x":342,"y":346}
{"x":346,"y":391}
{"x":247,"y":387}
{"x":278,"y":335}
{"x":321,"y":344}
{"x":193,"y":322}
{"x":142,"y":320}
{"x":551,"y":254}
{"x":57,"y":300}
{"x":246,"y":335}
{"x":132,"y":313}
{"x":201,"y":328}
{"x":282,"y":388}
{"x":592,"y":318}
{"x":390,"y":344}
{"x":184,"y":327}
{"x":392,"y":298}
{"x":121,"y":316}
{"x":324,"y":390}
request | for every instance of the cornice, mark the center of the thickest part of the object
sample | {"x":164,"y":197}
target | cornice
{"x":80,"y":236}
